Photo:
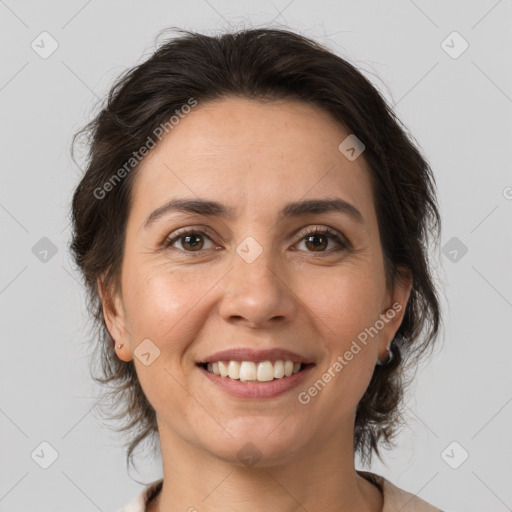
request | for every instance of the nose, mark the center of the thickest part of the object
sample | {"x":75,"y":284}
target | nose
{"x":258,"y":293}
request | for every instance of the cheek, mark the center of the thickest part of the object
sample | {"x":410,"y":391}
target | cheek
{"x":346,"y":299}
{"x":158,"y":299}
{"x":346,"y":304}
{"x":164,"y":305}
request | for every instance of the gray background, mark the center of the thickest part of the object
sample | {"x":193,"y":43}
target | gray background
{"x":459,"y":109}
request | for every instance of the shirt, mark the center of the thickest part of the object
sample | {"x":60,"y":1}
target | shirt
{"x":394,"y":498}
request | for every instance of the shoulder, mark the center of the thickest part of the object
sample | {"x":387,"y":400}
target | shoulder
{"x":139,"y":503}
{"x":395,"y":498}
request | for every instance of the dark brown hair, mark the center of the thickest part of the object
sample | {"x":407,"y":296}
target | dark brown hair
{"x":260,"y":64}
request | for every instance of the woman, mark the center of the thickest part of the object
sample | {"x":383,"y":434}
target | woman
{"x":252,"y":228}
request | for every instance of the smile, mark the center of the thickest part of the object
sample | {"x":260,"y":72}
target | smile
{"x":245,"y":371}
{"x":241,"y":379}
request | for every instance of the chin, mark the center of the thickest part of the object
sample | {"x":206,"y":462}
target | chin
{"x":258,"y":442}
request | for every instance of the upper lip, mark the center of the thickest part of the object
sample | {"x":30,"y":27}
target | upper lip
{"x":246,"y":354}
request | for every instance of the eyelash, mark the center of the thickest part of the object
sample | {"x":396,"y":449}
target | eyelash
{"x":344,"y":245}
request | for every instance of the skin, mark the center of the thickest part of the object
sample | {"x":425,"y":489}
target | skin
{"x":255,"y":158}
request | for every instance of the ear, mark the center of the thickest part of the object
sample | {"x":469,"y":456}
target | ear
{"x":394,"y":310}
{"x":115,"y":318}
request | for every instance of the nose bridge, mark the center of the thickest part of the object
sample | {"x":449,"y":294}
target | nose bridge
{"x":255,"y":263}
{"x":255,"y":290}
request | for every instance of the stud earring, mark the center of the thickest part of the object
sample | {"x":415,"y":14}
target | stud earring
{"x":120,"y":345}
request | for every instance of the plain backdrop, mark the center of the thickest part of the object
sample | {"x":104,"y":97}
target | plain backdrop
{"x":453,"y":91}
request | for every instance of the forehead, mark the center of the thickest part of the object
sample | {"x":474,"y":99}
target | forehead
{"x":247,"y":153}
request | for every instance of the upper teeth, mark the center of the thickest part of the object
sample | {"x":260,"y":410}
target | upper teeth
{"x":248,"y":370}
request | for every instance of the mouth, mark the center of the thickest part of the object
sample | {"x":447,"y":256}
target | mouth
{"x":254,"y":371}
{"x":256,"y":380}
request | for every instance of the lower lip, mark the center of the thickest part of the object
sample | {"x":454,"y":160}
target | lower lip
{"x":268,"y":389}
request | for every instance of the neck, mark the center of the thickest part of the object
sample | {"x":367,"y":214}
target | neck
{"x":311,"y":480}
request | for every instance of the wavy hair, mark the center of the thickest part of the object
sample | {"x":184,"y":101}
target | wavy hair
{"x":261,"y":64}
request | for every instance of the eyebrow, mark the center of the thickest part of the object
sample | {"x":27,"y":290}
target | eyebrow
{"x":216,"y":209}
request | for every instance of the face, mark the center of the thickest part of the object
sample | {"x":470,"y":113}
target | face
{"x":194,"y":283}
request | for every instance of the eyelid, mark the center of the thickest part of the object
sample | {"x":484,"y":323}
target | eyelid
{"x":191,"y":229}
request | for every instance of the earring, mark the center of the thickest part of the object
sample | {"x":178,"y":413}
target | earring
{"x":389,"y":358}
{"x":120,"y":345}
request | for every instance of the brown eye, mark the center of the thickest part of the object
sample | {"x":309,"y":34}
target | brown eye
{"x":317,"y":240}
{"x":190,"y":240}
{"x":195,"y":242}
